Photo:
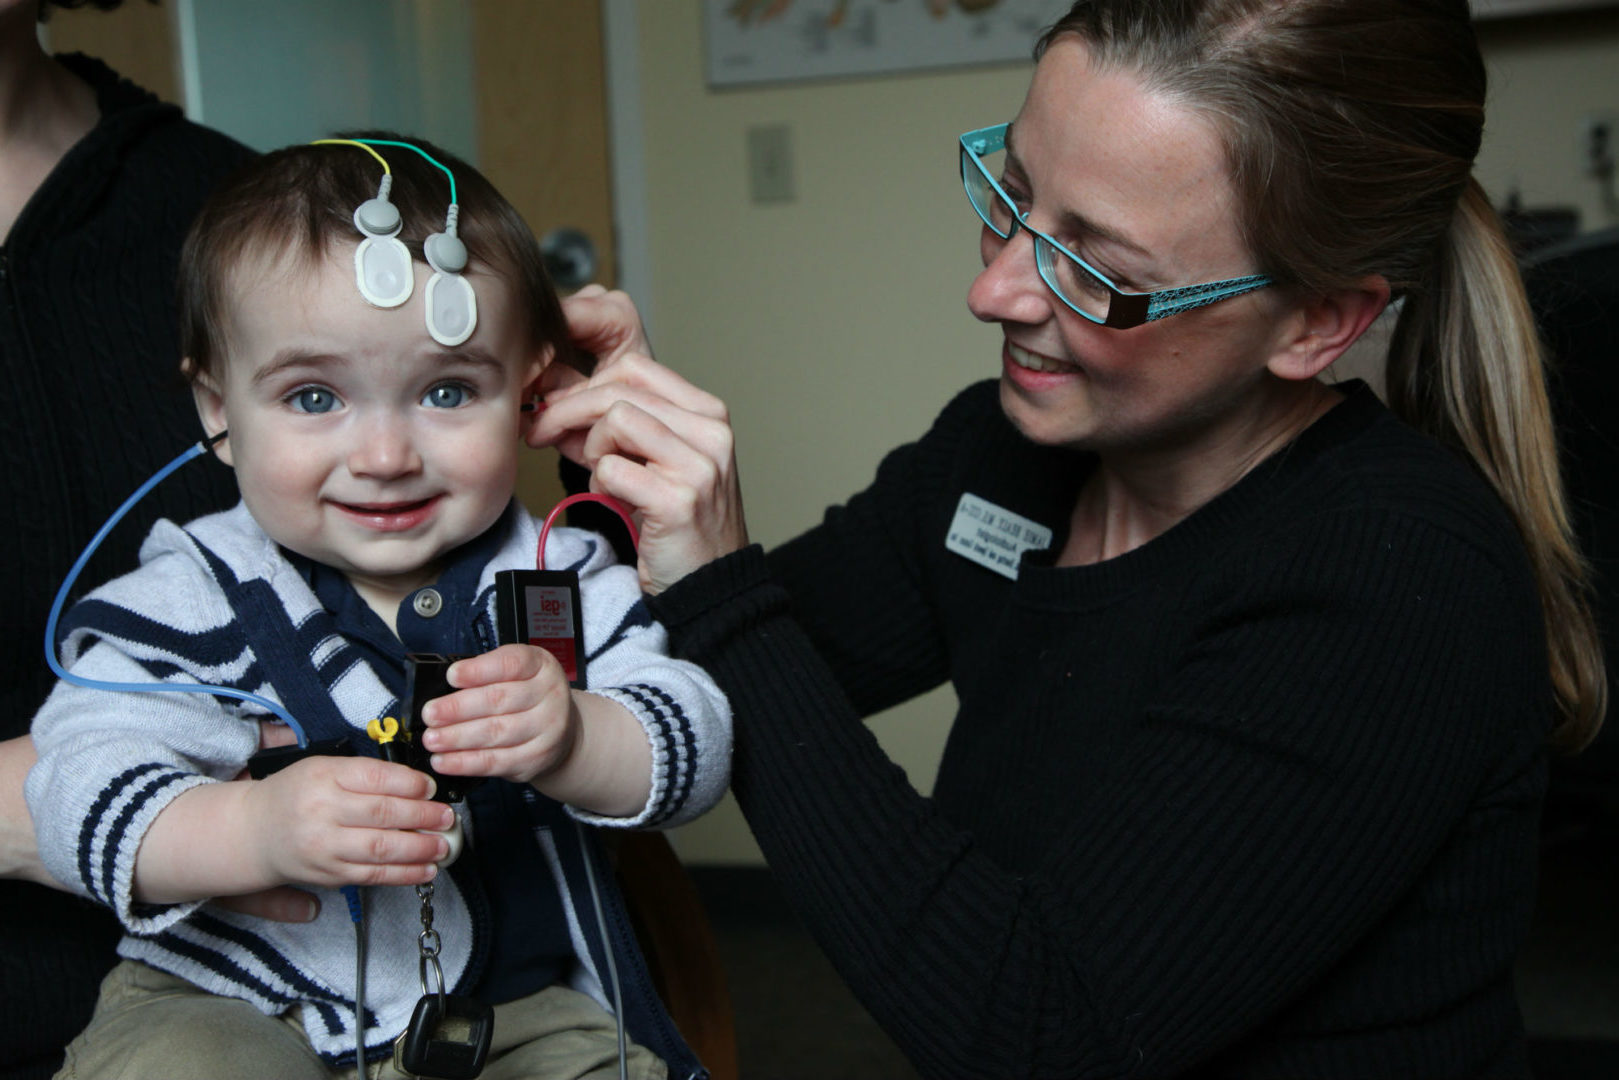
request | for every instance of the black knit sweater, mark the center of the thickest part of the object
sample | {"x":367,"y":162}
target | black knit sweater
{"x":1256,"y":799}
{"x":95,"y":405}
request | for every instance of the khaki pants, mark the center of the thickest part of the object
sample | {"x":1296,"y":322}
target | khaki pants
{"x":152,"y":1026}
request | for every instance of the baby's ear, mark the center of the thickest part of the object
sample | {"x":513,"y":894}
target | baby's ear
{"x":534,"y":372}
{"x":534,"y":389}
{"x":210,"y":406}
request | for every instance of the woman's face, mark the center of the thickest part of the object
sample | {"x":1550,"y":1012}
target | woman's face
{"x":1137,"y":186}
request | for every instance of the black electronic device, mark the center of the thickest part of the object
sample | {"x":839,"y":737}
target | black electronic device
{"x":541,"y":607}
{"x":273,"y":759}
{"x":427,"y":677}
{"x":448,"y":1038}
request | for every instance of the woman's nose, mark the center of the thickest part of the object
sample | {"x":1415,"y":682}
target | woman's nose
{"x":1009,"y":287}
{"x":383,"y":449}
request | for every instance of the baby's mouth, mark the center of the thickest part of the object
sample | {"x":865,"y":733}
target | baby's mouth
{"x":387,"y":508}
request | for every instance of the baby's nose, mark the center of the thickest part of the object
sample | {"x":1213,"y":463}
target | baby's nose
{"x":384,"y":449}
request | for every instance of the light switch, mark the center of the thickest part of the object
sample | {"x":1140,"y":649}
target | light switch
{"x":770,"y":164}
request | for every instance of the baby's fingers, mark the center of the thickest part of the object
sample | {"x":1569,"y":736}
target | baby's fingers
{"x":372,"y":776}
{"x":507,"y":664}
{"x":379,"y":851}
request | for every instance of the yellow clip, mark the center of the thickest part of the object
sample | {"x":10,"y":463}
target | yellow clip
{"x":384,"y":730}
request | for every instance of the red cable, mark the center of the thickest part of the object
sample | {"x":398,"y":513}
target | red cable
{"x":606,"y":500}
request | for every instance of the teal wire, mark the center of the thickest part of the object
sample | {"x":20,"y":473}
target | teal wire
{"x":419,"y":150}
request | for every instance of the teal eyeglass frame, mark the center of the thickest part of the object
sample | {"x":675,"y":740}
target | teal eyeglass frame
{"x":1125,"y":309}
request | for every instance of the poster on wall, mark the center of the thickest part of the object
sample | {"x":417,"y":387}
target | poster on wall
{"x":749,"y":42}
{"x":1489,"y":9}
{"x":766,"y":41}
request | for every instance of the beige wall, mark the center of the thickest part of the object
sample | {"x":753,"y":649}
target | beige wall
{"x":835,"y":326}
{"x":1546,"y":77}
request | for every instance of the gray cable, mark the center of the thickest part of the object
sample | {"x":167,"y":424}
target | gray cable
{"x":607,"y":947}
{"x":359,"y":989}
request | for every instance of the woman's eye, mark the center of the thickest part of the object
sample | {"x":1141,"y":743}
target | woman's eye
{"x":1016,"y":194}
{"x":446,"y":396}
{"x":313,"y":399}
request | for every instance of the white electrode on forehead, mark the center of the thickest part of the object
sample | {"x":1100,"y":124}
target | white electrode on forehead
{"x":382,"y":267}
{"x":452,"y":306}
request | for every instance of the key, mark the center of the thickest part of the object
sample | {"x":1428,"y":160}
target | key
{"x":447,"y":1039}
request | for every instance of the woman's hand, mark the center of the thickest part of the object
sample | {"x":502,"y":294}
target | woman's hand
{"x":650,"y":438}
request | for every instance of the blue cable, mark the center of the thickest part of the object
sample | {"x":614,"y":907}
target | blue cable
{"x":351,"y":893}
{"x":156,"y":687}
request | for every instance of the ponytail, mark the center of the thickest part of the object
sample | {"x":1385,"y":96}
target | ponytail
{"x":1465,"y":366}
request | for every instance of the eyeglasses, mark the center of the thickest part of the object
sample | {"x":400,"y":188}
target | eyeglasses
{"x":1076,"y":282}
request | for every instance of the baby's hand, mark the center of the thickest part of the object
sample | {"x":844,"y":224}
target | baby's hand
{"x":337,"y":821}
{"x":511,"y":716}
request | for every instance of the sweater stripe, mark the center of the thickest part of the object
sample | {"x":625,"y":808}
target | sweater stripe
{"x":637,"y":617}
{"x":303,"y":987}
{"x":93,"y":818}
{"x":674,"y":731}
{"x":115,"y":835}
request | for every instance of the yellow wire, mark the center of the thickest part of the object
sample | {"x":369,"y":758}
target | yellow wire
{"x":355,"y":142}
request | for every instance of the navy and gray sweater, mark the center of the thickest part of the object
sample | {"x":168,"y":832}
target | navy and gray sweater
{"x":218,"y":602}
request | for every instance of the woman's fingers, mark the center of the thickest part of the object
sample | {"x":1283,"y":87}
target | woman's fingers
{"x":571,"y":423}
{"x":605,"y":324}
{"x":686,"y":498}
{"x":636,"y":374}
{"x":694,"y":448}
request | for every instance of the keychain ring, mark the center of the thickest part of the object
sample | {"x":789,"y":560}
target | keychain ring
{"x":428,"y":961}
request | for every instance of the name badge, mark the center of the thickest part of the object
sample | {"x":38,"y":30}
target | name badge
{"x":993,"y":537}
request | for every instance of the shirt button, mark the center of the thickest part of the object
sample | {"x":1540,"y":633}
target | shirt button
{"x":428,"y":603}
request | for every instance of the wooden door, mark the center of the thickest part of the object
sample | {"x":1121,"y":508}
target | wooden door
{"x":542,"y":139}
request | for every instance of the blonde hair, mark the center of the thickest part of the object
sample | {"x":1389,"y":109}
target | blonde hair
{"x":1350,"y":128}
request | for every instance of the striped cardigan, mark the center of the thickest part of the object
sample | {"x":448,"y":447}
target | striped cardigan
{"x":111,"y":761}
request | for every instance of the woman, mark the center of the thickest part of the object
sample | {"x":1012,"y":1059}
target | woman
{"x":1248,"y":760}
{"x":98,"y":181}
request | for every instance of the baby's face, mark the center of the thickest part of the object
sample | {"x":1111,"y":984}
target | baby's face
{"x":358,"y":441}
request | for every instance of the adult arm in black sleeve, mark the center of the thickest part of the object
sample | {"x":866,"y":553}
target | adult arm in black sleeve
{"x":1322,"y":733}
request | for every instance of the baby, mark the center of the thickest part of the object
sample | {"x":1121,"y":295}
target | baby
{"x":376,"y":465}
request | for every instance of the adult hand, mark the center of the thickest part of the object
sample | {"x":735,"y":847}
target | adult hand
{"x":650,"y":438}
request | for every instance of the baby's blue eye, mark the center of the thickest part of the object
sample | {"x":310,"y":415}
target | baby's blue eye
{"x":313,"y":399}
{"x":446,"y":396}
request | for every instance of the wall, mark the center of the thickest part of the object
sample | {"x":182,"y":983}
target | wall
{"x":1547,"y":76}
{"x":834,"y":326}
